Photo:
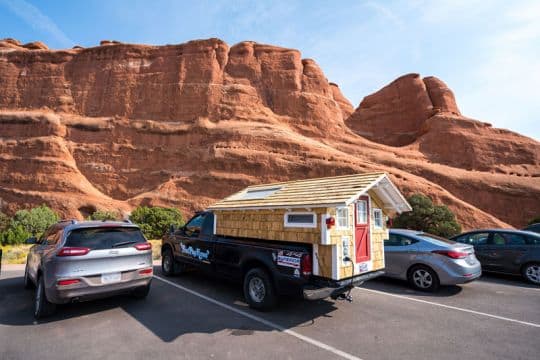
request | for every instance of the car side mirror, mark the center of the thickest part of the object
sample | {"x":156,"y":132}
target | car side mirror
{"x":172,"y":229}
{"x":31,"y":240}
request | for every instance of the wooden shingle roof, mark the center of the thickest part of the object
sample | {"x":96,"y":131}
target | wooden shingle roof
{"x":311,"y":193}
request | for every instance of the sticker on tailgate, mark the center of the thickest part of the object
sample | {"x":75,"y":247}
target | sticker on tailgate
{"x":289,"y":258}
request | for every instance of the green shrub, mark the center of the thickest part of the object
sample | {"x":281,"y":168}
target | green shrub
{"x":425,"y":216}
{"x":534,"y":220}
{"x":15,"y":234}
{"x":155,"y":221}
{"x":28,"y":223}
{"x":101,"y":215}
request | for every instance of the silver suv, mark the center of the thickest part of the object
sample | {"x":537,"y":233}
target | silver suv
{"x":78,"y":261}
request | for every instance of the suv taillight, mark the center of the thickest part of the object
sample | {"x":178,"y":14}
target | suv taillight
{"x":143,"y":246}
{"x":451,"y":253}
{"x":73,"y":251}
{"x":306,"y":265}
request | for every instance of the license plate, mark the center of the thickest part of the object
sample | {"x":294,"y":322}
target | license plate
{"x":111,"y":278}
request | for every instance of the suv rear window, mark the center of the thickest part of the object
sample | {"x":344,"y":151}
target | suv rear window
{"x":105,"y":238}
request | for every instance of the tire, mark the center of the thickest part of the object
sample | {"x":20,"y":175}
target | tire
{"x":42,"y":306}
{"x":28,"y":284}
{"x":259,"y":290}
{"x":423,"y":278}
{"x":168,"y":264}
{"x":531,"y":273}
{"x":141,"y":292}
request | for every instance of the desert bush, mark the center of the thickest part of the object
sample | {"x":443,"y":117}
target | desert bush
{"x":425,"y":216}
{"x":101,"y":215}
{"x":534,"y":220}
{"x":155,"y":221}
{"x":28,"y":223}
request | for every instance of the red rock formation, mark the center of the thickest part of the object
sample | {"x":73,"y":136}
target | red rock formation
{"x":118,"y":125}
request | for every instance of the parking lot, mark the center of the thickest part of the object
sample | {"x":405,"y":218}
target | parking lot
{"x":193,"y":316}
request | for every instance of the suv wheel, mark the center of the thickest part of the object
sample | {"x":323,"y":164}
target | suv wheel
{"x":28,"y":284}
{"x":259,"y":290}
{"x":423,"y":278}
{"x":42,"y":306}
{"x":531,"y":273}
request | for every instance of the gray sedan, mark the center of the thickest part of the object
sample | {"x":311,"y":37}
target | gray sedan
{"x":427,"y":260}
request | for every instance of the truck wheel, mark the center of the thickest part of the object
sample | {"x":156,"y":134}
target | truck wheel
{"x":423,"y":278}
{"x":259,"y":290}
{"x":42,"y":306}
{"x":168,"y":263}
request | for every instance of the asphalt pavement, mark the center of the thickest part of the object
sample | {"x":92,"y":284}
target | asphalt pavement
{"x":197,"y":317}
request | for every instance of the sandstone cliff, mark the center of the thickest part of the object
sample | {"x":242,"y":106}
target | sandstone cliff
{"x":118,"y":125}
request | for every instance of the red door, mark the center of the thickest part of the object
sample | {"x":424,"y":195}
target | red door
{"x":361,"y":229}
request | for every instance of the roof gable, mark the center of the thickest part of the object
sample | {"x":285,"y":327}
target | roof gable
{"x":319,"y":192}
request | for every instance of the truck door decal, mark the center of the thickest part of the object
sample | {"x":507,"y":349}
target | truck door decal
{"x":196,"y":253}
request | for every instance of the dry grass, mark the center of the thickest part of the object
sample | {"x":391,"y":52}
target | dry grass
{"x":14,"y":254}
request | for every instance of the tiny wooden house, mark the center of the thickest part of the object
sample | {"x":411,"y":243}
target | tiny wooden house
{"x":343,"y":217}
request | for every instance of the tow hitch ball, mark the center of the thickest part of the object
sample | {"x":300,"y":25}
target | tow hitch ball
{"x":343,"y":296}
{"x":347,"y":297}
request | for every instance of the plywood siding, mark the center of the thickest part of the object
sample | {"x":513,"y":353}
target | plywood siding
{"x":324,"y":258}
{"x":266,"y":225}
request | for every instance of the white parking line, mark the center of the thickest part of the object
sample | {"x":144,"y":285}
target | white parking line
{"x":270,"y":324}
{"x":451,"y":307}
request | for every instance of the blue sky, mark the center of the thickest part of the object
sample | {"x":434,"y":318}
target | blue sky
{"x":488,"y":52}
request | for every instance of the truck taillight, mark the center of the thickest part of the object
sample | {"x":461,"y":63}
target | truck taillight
{"x":306,"y":265}
{"x":73,"y":251}
{"x":330,"y":222}
{"x":143,"y":246}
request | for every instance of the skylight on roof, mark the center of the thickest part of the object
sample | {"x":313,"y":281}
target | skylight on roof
{"x":258,"y":193}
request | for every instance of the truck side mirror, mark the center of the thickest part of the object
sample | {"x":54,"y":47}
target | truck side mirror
{"x":172,"y":229}
{"x":31,"y":240}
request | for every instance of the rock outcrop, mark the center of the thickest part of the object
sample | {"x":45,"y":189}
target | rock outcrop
{"x":118,"y":125}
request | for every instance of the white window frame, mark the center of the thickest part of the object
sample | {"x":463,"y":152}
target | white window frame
{"x":286,"y":222}
{"x":346,"y":244}
{"x":347,"y":225}
{"x":365,"y":213}
{"x":375,"y":225}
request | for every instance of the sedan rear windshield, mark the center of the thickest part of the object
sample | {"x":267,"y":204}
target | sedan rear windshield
{"x":105,"y":238}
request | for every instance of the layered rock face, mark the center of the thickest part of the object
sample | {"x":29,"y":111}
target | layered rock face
{"x":119,"y":125}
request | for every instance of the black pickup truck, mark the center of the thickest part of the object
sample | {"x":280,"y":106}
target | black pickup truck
{"x":267,"y":269}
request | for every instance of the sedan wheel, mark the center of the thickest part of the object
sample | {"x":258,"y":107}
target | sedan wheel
{"x":423,"y":278}
{"x":532,"y":273}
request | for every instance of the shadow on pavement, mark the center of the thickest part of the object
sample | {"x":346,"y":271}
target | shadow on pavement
{"x":168,"y":312}
{"x":506,"y":279}
{"x":401,"y":287}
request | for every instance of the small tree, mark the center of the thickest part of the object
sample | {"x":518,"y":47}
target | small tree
{"x":34,"y":221}
{"x":155,"y":221}
{"x":425,"y":216}
{"x":14,"y":235}
{"x":101,"y":215}
{"x":534,"y":220}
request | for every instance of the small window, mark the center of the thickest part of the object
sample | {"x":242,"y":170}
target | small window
{"x":361,"y":212}
{"x":345,"y":249}
{"x":258,"y":193}
{"x":342,"y":216}
{"x":296,"y":219}
{"x":378,"y":218}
